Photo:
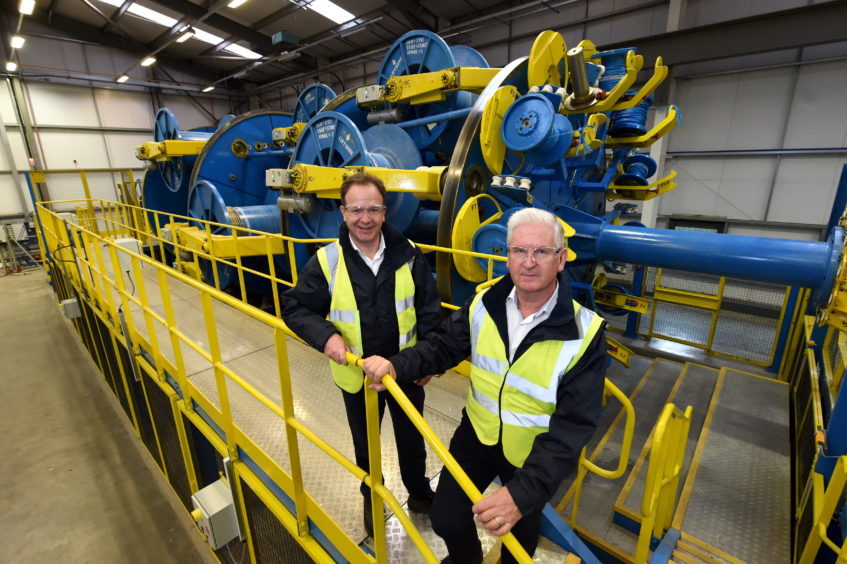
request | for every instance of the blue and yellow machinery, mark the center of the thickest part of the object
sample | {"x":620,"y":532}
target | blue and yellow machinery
{"x":461,"y":147}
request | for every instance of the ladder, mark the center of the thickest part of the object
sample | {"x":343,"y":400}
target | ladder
{"x":11,"y":265}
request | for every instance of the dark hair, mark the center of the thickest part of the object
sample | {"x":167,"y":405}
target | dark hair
{"x":362,"y":178}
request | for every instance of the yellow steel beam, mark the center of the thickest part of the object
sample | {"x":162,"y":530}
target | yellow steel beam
{"x":325,"y":182}
{"x":622,"y":301}
{"x":652,"y":190}
{"x":225,"y":246}
{"x":427,"y":87}
{"x":618,"y":351}
{"x":660,"y":130}
{"x":687,"y":298}
{"x":165,"y":150}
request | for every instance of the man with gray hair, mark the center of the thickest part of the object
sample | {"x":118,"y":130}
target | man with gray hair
{"x":537,"y":369}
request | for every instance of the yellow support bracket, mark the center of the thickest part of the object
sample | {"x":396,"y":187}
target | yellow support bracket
{"x":694,"y":299}
{"x":325,"y":182}
{"x":653,"y":190}
{"x":166,"y":150}
{"x":428,"y":87}
{"x":618,"y":351}
{"x":660,"y":73}
{"x":660,"y":130}
{"x":225,"y":246}
{"x":623,"y":301}
{"x":288,"y":135}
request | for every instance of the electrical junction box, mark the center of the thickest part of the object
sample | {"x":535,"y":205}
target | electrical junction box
{"x":214,"y":513}
{"x":70,"y":308}
{"x":125,"y":259}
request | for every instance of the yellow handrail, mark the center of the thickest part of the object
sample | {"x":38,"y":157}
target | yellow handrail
{"x":825,"y":504}
{"x":667,"y":454}
{"x":441,"y":451}
{"x":586,"y":465}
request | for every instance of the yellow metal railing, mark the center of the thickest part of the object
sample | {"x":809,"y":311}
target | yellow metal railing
{"x":667,"y":454}
{"x":586,"y":465}
{"x":92,"y":263}
{"x":825,"y":502}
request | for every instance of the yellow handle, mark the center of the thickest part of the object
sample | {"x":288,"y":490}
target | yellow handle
{"x":627,"y":437}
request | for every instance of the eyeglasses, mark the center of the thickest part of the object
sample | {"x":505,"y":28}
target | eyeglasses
{"x":359,"y":211}
{"x":540,"y":254}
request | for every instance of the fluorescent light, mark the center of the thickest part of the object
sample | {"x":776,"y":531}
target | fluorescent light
{"x":11,"y":66}
{"x":115,"y":3}
{"x":186,"y":35}
{"x":151,"y":15}
{"x":207,"y":37}
{"x":17,"y":41}
{"x":122,"y":78}
{"x":242,"y":52}
{"x":26,"y":7}
{"x":208,"y":89}
{"x":147,"y":61}
{"x":235,"y":3}
{"x":331,"y":10}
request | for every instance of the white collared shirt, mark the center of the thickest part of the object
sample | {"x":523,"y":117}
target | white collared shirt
{"x":373,"y":263}
{"x":519,"y":326}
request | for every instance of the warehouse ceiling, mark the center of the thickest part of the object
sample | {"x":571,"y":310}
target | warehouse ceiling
{"x":263,"y":44}
{"x":240,"y":43}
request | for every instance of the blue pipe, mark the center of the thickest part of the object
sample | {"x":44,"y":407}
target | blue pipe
{"x":438,"y":118}
{"x":779,"y":261}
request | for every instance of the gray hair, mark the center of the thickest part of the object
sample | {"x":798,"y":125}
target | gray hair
{"x":535,"y":215}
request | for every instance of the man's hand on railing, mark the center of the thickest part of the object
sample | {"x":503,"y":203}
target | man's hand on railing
{"x":375,"y":368}
{"x":497,"y":512}
{"x":336,"y":349}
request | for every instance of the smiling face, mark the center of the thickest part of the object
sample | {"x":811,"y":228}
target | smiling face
{"x":534,"y":278}
{"x":364,"y":228}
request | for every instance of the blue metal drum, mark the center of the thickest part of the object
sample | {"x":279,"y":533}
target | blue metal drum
{"x":311,"y":100}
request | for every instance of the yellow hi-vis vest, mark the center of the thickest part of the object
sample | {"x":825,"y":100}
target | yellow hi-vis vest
{"x":344,"y":312}
{"x":528,"y":396}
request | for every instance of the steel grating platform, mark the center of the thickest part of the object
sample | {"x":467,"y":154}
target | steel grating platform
{"x":247,"y":348}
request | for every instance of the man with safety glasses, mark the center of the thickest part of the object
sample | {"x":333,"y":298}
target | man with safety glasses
{"x":371,"y":293}
{"x":538,"y":361}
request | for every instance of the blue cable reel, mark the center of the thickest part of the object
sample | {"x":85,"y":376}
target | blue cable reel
{"x":331,"y":139}
{"x":235,"y":158}
{"x":166,"y":188}
{"x":422,"y":51}
{"x":205,"y":204}
{"x":311,"y":100}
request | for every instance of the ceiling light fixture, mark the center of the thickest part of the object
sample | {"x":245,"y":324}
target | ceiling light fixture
{"x":26,"y":7}
{"x":122,"y":78}
{"x":148,"y":61}
{"x":11,"y":66}
{"x":187,"y":34}
{"x":208,"y":89}
{"x":235,"y":3}
{"x":17,"y":41}
{"x":331,"y":10}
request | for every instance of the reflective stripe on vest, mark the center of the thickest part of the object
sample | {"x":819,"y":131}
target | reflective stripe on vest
{"x":529,"y":385}
{"x":344,"y":311}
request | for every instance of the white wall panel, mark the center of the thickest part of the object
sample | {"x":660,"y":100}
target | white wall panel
{"x":805,"y":189}
{"x":7,"y":107}
{"x":10,"y":202}
{"x":16,"y":143}
{"x":124,"y":109}
{"x":188,"y":115}
{"x":733,"y":188}
{"x":818,"y":117}
{"x":705,"y":119}
{"x":62,"y":148}
{"x":704,"y":12}
{"x":122,"y":146}
{"x":775,"y":232}
{"x":54,"y":104}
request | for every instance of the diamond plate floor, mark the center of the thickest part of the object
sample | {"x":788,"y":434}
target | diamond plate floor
{"x":739,"y":502}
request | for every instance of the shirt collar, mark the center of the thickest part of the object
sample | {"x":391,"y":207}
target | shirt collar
{"x":512,"y":299}
{"x":379,"y":251}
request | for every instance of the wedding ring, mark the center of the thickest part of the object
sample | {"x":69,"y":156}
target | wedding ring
{"x":499,"y":523}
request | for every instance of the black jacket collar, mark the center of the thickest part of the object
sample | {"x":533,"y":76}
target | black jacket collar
{"x":559,"y":326}
{"x":398,"y":250}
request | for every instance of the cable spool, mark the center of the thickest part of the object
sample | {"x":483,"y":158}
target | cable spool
{"x":615,"y":63}
{"x":311,"y":100}
{"x":631,"y":122}
{"x":637,"y":169}
{"x":257,"y":218}
{"x":532,"y":126}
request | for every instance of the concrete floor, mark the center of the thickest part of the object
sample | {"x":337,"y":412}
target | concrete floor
{"x":75,"y":482}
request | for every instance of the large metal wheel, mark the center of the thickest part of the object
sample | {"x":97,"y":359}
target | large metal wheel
{"x":311,"y":100}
